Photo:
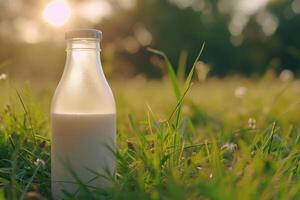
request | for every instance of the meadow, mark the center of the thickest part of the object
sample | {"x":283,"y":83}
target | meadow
{"x":214,"y":138}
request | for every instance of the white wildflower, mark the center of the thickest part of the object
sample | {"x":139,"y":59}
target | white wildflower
{"x":3,"y":76}
{"x":252,"y":123}
{"x":286,"y":75}
{"x":211,"y":176}
{"x":239,"y":92}
{"x":39,"y":162}
{"x":230,"y":147}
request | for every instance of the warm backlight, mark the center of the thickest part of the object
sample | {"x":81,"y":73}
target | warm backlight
{"x":57,"y":13}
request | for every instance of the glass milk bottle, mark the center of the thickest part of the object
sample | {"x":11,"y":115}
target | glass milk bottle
{"x":83,"y":118}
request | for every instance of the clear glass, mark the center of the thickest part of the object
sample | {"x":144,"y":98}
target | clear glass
{"x":83,"y":122}
{"x":83,"y":87}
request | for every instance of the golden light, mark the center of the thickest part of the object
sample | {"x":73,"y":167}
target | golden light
{"x":57,"y":13}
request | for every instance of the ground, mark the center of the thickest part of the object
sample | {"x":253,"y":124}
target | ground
{"x":229,"y":138}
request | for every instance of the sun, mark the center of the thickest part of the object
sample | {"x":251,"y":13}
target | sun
{"x":57,"y":13}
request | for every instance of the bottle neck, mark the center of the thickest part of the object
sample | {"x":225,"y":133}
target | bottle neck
{"x":83,"y":59}
{"x":83,"y":44}
{"x":79,"y":51}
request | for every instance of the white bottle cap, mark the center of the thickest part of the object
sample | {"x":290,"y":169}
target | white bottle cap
{"x":83,"y":33}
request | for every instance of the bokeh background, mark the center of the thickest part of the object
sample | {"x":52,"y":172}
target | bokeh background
{"x":245,"y":37}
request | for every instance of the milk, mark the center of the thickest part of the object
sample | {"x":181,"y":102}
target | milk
{"x":81,"y":142}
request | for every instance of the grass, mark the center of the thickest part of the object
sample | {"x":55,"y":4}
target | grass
{"x":176,"y":141}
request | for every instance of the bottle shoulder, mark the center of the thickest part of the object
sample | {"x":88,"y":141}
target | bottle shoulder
{"x":83,"y":98}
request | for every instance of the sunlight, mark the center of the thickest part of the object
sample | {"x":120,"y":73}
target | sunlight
{"x":57,"y":13}
{"x":250,"y":7}
{"x":94,"y":10}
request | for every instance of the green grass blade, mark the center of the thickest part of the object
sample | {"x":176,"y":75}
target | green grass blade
{"x":191,"y":73}
{"x":171,"y":72}
{"x":29,"y":183}
{"x":187,"y":86}
{"x":182,"y":65}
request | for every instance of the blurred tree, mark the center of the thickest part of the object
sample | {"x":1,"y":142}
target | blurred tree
{"x":238,"y":40}
{"x":245,"y":36}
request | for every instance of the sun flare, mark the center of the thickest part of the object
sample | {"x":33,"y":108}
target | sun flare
{"x":57,"y":13}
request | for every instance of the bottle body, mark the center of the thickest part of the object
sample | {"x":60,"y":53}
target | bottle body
{"x":79,"y":145}
{"x":83,"y":122}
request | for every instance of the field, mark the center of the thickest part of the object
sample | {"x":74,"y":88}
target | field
{"x":230,"y":138}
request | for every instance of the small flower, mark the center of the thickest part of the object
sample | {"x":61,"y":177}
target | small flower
{"x":39,"y":162}
{"x":3,"y":76}
{"x":211,"y":176}
{"x":286,"y":75}
{"x":229,"y":147}
{"x":239,"y":92}
{"x":252,"y":123}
